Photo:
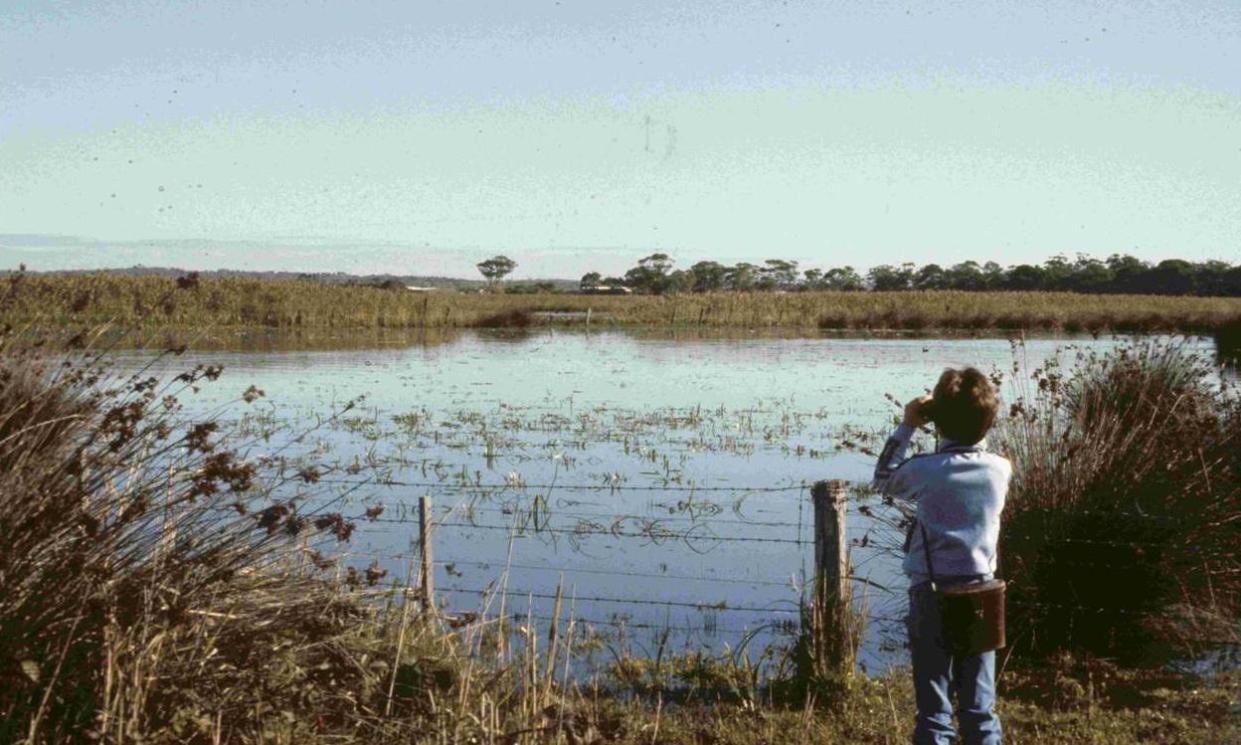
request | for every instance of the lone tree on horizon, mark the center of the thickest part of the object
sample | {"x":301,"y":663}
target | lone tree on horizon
{"x":496,"y":268}
{"x":589,"y":280}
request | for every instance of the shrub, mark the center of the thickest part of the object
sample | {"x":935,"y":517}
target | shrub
{"x":914,"y":321}
{"x":513,"y":319}
{"x":834,"y":321}
{"x":1124,"y":515}
{"x":1012,"y":322}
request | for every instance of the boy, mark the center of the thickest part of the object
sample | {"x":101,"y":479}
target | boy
{"x":958,"y":491}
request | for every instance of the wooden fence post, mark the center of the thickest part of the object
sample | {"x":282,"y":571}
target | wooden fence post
{"x":425,"y":588}
{"x":426,"y":576}
{"x":833,"y":628}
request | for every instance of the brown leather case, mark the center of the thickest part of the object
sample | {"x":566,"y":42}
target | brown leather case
{"x":973,"y":617}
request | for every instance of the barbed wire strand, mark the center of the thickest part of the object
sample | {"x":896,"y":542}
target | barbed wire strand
{"x":518,"y":486}
{"x":553,"y":512}
{"x":702,"y":606}
{"x":519,"y":530}
{"x":871,"y":615}
{"x":499,"y":563}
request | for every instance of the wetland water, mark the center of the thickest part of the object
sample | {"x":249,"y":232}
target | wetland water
{"x":663,"y":477}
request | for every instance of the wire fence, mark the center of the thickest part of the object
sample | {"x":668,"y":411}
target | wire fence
{"x":640,"y":595}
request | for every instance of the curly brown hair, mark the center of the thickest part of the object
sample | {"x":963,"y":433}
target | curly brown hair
{"x":964,"y":405}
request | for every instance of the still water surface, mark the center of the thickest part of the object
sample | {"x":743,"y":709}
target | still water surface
{"x":662,"y":477}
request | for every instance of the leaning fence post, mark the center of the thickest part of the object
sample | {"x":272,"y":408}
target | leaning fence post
{"x":426,"y":576}
{"x":833,"y":631}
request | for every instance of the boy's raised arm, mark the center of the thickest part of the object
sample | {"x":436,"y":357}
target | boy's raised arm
{"x":894,"y":454}
{"x":887,"y":477}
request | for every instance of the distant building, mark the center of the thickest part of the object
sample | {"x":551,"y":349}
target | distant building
{"x":414,"y":288}
{"x":606,"y":290}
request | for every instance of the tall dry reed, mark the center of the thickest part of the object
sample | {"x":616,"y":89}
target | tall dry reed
{"x":148,"y":578}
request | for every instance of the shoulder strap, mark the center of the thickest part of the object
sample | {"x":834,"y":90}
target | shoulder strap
{"x":926,"y":548}
{"x":998,"y":572}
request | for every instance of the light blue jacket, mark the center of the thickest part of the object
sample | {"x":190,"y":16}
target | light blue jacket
{"x":959,"y":492}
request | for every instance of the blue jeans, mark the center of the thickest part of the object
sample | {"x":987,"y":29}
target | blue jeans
{"x":938,"y":675}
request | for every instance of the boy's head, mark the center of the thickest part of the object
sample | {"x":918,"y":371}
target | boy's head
{"x":963,"y":405}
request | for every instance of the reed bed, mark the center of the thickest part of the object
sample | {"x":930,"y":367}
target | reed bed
{"x":146,"y":303}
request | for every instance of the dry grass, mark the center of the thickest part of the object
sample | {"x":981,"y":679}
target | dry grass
{"x":146,"y":303}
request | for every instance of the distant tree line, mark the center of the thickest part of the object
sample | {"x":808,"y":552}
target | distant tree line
{"x":1119,"y":273}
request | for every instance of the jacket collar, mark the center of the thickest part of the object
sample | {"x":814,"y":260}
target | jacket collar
{"x":947,"y":444}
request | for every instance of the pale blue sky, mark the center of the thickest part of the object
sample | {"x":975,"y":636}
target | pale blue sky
{"x":421,"y":137}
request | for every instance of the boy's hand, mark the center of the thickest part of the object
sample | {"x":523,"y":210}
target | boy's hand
{"x":914,"y":412}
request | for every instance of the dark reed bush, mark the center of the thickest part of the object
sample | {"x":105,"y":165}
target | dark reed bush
{"x":1121,"y":532}
{"x":914,"y":321}
{"x":836,"y":321}
{"x":508,"y":319}
{"x":1012,"y":321}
